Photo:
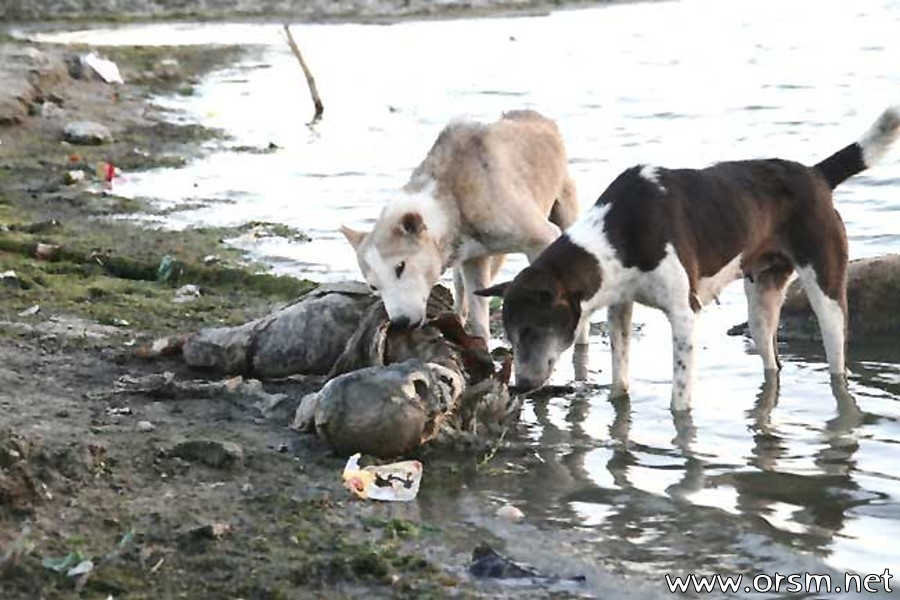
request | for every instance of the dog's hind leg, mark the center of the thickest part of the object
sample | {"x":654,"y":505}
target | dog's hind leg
{"x":477,"y":275}
{"x":765,"y":295}
{"x":831,"y":312}
{"x":619,"y":320}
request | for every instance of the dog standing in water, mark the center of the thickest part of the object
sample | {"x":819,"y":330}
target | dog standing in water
{"x":483,"y":190}
{"x":673,"y":238}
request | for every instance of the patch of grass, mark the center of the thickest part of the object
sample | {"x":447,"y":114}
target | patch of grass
{"x":93,"y":281}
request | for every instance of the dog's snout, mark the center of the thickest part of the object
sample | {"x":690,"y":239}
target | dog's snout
{"x":404,"y":322}
{"x":525,"y":384}
{"x":401,"y":322}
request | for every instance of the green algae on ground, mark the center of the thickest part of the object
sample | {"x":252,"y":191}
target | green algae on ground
{"x":109,"y":289}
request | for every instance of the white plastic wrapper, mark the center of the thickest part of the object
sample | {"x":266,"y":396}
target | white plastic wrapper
{"x":396,"y":482}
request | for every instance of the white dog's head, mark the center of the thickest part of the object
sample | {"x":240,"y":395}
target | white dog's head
{"x":400,"y":259}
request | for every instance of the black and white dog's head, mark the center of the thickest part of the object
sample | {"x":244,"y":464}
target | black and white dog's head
{"x":540,"y":318}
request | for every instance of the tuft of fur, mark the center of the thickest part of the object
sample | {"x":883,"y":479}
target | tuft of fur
{"x":876,"y":142}
{"x":865,"y":153}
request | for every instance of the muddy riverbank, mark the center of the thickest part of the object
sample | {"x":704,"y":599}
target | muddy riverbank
{"x":195,"y":496}
{"x":296,"y":10}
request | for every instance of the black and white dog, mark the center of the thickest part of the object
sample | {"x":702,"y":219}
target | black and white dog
{"x":673,"y":238}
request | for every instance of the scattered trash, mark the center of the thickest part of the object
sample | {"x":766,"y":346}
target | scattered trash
{"x":211,"y":259}
{"x":186,"y":293}
{"x":64,"y":564}
{"x":153,"y":569}
{"x":10,"y":279}
{"x":86,"y":133}
{"x":73,"y":177}
{"x":106,"y":69}
{"x":165,"y":269}
{"x":85,"y":566}
{"x":396,"y":482}
{"x":510,"y":513}
{"x":145,"y":426}
{"x":487,"y":563}
{"x":120,"y":322}
{"x":119,"y":411}
{"x":107,"y":171}
{"x":30,"y":312}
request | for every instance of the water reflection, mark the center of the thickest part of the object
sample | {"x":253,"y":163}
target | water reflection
{"x":765,"y":498}
{"x":815,"y":500}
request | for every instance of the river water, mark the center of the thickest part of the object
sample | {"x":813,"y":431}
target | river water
{"x":756,"y":480}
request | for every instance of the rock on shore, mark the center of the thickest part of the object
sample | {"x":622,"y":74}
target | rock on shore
{"x":873,"y":295}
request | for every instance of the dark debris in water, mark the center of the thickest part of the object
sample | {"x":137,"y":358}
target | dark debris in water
{"x":487,"y":563}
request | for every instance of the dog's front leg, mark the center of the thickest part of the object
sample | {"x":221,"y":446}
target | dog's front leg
{"x":460,"y":300}
{"x":619,"y":321}
{"x":477,"y":275}
{"x":682,"y":321}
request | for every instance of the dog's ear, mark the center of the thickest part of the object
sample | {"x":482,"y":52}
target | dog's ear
{"x":412,"y":223}
{"x":495,"y":290}
{"x":353,"y":236}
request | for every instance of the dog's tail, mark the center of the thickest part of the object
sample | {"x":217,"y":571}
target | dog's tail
{"x":861,"y":155}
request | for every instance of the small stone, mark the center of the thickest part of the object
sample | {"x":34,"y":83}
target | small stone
{"x":186,"y":293}
{"x":211,"y":531}
{"x":510,"y":513}
{"x":167,"y":68}
{"x":51,"y":110}
{"x":215,"y":454}
{"x":86,"y":133}
{"x":145,"y":426}
{"x":46,"y":251}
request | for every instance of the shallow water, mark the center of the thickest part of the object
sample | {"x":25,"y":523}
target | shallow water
{"x":755,"y":481}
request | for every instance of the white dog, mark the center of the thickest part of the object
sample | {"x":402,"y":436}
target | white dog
{"x":483,"y":190}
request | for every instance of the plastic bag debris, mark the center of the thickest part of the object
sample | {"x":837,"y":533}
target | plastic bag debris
{"x":105,"y":68}
{"x":396,"y":482}
{"x":85,"y":566}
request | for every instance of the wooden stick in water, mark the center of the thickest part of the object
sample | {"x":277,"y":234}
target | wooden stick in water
{"x":310,"y":80}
